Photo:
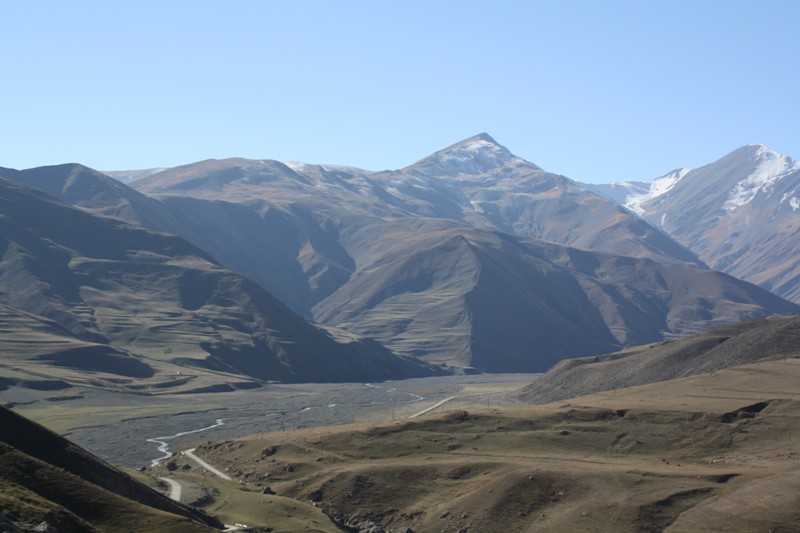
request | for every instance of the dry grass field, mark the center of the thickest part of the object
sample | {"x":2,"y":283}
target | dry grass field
{"x":714,"y":452}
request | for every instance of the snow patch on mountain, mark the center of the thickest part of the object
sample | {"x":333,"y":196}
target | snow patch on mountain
{"x":300,"y":166}
{"x":475,"y":156}
{"x":658,"y":187}
{"x":771,"y":168}
{"x":793,"y":201}
{"x":471,"y":157}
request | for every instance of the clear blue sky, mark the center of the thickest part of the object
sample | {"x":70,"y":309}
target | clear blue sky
{"x":595,"y":90}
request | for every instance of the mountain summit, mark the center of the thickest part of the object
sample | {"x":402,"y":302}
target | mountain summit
{"x":477,"y":155}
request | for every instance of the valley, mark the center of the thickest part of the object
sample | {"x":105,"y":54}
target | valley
{"x":468,"y":343}
{"x":399,"y":267}
{"x":128,"y":429}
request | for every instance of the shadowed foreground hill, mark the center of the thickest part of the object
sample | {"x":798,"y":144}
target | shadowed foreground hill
{"x":106,"y":282}
{"x":710,"y":351}
{"x":46,"y":479}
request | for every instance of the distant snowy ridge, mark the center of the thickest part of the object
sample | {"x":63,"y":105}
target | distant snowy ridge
{"x":657,"y":187}
{"x":771,"y":167}
{"x":634,"y":194}
{"x":129,"y":175}
{"x":300,"y":166}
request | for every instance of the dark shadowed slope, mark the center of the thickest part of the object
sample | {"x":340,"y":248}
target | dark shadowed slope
{"x":157,"y":295}
{"x":45,"y":478}
{"x":710,"y":351}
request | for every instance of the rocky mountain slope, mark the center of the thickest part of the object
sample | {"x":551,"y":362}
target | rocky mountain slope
{"x":740,"y":214}
{"x":106,"y":282}
{"x":723,"y":347}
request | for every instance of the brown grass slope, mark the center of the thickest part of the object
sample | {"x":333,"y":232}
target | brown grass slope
{"x":154,"y":294}
{"x":710,"y":351}
{"x":45,"y":478}
{"x":706,"y":453}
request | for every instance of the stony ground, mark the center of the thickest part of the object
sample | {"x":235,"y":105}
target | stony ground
{"x":117,"y":426}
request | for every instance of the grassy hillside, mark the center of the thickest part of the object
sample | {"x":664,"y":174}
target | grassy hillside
{"x":701,"y":453}
{"x":710,"y":351}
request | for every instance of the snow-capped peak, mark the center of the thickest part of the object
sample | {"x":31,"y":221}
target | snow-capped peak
{"x":476,"y":155}
{"x":770,"y":168}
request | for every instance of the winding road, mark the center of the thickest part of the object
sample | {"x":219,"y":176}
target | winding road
{"x":175,"y":488}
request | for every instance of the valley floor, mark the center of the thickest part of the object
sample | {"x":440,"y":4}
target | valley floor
{"x":128,"y":429}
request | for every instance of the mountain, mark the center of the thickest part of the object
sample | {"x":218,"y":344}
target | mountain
{"x":95,"y":192}
{"x":152,"y":294}
{"x":289,"y":251}
{"x":437,"y":290}
{"x":479,"y":182}
{"x":50,"y":484}
{"x":476,"y":181}
{"x":740,"y":214}
{"x":282,"y":225}
{"x":707,"y":352}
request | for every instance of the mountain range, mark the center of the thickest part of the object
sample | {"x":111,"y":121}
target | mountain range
{"x":471,"y":257}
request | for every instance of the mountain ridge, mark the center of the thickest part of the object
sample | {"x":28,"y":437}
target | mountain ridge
{"x":739,"y":214}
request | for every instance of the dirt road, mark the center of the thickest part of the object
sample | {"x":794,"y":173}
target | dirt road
{"x":175,"y":488}
{"x":190,"y":454}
